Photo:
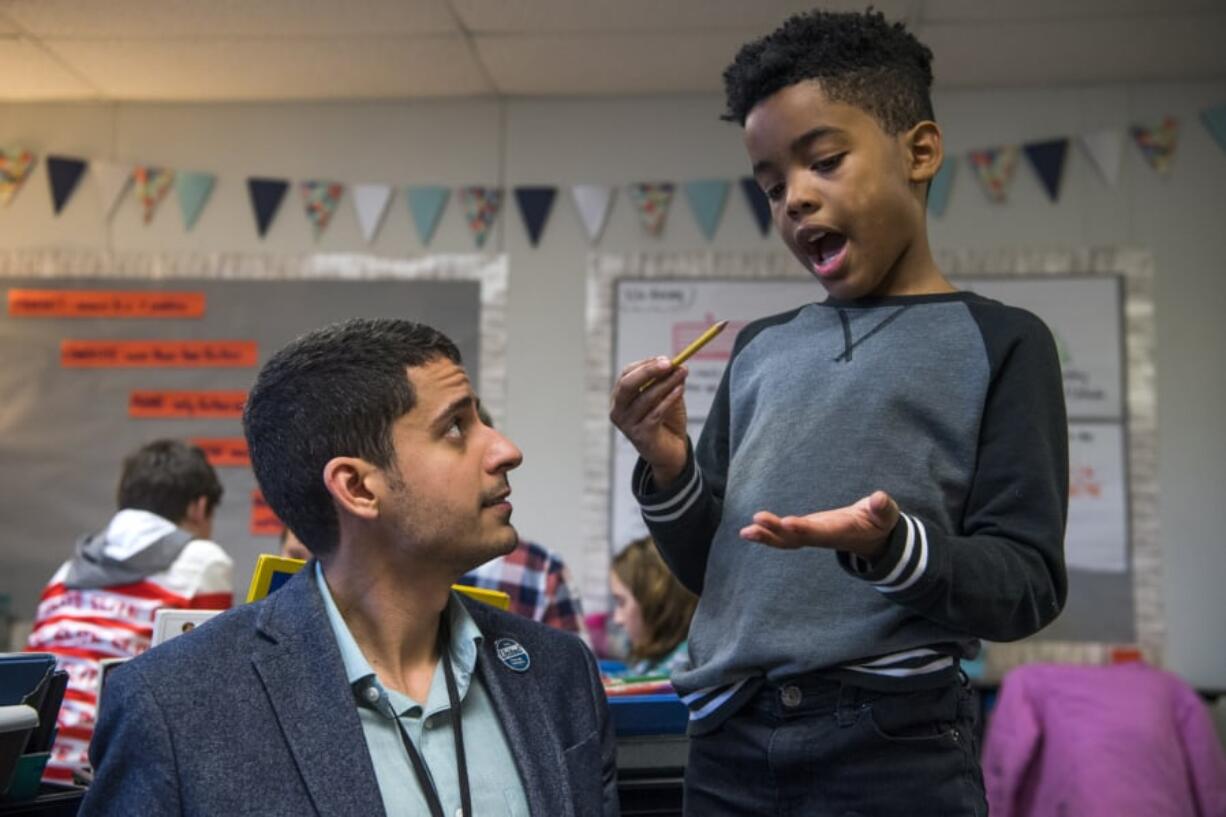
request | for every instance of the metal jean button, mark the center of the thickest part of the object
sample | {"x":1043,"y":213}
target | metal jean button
{"x":791,"y":696}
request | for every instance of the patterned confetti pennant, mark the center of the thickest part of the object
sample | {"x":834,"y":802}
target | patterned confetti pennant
{"x":321,"y":199}
{"x":152,"y":185}
{"x":652,"y":200}
{"x":994,"y":168}
{"x":707,"y":198}
{"x":1157,"y":142}
{"x":15,"y":167}
{"x":480,"y":210}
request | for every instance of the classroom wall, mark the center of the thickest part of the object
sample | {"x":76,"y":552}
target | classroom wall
{"x":564,"y":141}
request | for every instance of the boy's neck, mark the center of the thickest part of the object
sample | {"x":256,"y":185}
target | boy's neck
{"x":916,"y":273}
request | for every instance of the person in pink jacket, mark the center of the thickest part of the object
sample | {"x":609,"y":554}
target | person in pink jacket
{"x":1113,"y":741}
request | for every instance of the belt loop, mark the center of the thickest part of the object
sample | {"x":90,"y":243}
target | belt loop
{"x":846,"y":712}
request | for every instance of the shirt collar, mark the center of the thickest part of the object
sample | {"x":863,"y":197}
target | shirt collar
{"x":464,"y":645}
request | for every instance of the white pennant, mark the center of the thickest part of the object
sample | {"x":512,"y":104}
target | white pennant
{"x":593,"y":202}
{"x":371,"y":201}
{"x":1106,"y":149}
{"x":114,"y":180}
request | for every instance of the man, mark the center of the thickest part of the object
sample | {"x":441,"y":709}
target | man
{"x":155,"y":553}
{"x":364,"y":686}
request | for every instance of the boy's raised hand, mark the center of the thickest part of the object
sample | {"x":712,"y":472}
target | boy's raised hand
{"x":653,"y":419}
{"x":862,"y":528}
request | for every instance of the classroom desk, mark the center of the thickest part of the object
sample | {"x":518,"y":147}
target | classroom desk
{"x":650,"y":769}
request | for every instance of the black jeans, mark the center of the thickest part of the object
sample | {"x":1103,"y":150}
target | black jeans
{"x":815,"y":748}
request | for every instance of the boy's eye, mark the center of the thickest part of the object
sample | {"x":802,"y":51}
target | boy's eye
{"x":829,"y":163}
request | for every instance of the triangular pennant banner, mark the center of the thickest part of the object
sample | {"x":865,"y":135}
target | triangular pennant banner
{"x":15,"y":167}
{"x":1047,"y":159}
{"x":64,"y":172}
{"x":426,"y":205}
{"x":535,"y":203}
{"x":759,"y":204}
{"x":1157,"y":142}
{"x":652,"y":200}
{"x":266,"y":196}
{"x":1106,"y":150}
{"x":321,"y":199}
{"x":593,"y":201}
{"x":370,"y":201}
{"x":113,"y":181}
{"x":707,"y":199}
{"x":941,"y":186}
{"x":994,"y":168}
{"x":193,"y":190}
{"x":152,"y":185}
{"x":480,"y":210}
{"x":1215,"y":121}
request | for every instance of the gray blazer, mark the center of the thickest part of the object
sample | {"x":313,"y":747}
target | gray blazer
{"x":252,"y":714}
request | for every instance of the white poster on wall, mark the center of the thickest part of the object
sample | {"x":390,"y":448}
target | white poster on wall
{"x":1097,"y":535}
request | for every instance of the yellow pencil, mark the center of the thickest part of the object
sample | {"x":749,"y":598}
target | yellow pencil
{"x":689,"y":351}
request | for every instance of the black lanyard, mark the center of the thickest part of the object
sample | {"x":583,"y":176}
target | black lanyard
{"x":363,"y":688}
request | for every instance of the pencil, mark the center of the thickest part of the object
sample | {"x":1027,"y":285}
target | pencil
{"x":689,"y":351}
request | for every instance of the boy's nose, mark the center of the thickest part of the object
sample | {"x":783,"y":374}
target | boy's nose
{"x":802,"y":200}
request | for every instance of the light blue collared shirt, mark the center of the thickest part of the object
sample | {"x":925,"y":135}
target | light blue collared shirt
{"x":492,"y":776}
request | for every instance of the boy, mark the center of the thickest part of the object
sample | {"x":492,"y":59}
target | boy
{"x":882,"y":479}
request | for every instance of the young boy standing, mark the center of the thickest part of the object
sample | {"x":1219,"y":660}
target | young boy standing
{"x":882,"y":479}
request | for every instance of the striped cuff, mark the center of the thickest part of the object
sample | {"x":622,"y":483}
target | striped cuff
{"x":662,"y":507}
{"x":904,"y":562}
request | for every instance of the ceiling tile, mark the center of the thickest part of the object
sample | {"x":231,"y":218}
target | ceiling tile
{"x":609,"y":63}
{"x":650,"y":16}
{"x":1077,"y":51}
{"x":357,"y":67}
{"x":105,"y":19}
{"x":29,"y":73}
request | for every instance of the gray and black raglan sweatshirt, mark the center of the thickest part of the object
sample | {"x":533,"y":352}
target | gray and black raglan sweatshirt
{"x":952,"y":403}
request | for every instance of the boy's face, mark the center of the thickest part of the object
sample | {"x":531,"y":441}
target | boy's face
{"x":844,"y":194}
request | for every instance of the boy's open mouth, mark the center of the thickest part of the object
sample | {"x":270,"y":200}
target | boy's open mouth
{"x":826,"y":250}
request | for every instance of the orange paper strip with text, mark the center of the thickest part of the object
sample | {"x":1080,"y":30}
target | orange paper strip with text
{"x":224,"y":452}
{"x":179,"y":354}
{"x":212,"y":405}
{"x":104,"y":303}
{"x":263,"y":521}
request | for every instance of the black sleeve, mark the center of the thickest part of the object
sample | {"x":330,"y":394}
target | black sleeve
{"x":131,"y":752}
{"x":1001,"y":575}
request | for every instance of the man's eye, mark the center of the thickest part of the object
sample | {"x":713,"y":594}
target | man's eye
{"x":829,"y":163}
{"x":774,"y":192}
{"x":456,"y":429}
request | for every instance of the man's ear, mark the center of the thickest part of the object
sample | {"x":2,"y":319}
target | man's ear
{"x":925,"y":151}
{"x":197,"y":512}
{"x":354,"y":484}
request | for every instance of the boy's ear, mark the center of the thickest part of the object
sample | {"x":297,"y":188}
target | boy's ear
{"x":355,"y":486}
{"x":925,"y":150}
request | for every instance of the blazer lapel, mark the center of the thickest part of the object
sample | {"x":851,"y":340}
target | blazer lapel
{"x":300,"y":665}
{"x":528,"y":726}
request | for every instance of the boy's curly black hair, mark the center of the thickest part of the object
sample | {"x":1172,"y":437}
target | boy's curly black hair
{"x":859,"y":59}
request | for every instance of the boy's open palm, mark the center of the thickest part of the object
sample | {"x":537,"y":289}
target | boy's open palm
{"x":862,"y":528}
{"x":653,"y":419}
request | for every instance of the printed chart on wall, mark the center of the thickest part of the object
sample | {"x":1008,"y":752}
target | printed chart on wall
{"x":660,"y":316}
{"x":93,"y":368}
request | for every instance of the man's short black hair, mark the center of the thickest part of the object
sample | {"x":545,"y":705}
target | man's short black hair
{"x":858,"y":59}
{"x":164,"y":477}
{"x":334,"y":392}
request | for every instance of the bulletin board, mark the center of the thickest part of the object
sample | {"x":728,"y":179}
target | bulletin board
{"x":1099,"y":309}
{"x":100,"y":353}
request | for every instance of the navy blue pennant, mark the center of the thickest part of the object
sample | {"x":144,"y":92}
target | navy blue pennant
{"x":758,"y":203}
{"x":1047,"y":159}
{"x":266,"y":196}
{"x":65,"y":173}
{"x":535,"y":203}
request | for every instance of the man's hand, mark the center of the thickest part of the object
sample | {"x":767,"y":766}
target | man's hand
{"x":862,"y":528}
{"x":653,"y":420}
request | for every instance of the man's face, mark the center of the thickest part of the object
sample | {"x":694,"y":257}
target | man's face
{"x":839,"y":190}
{"x":448,"y":493}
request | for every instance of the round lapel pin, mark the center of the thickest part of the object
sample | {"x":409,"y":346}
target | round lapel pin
{"x":511,"y":653}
